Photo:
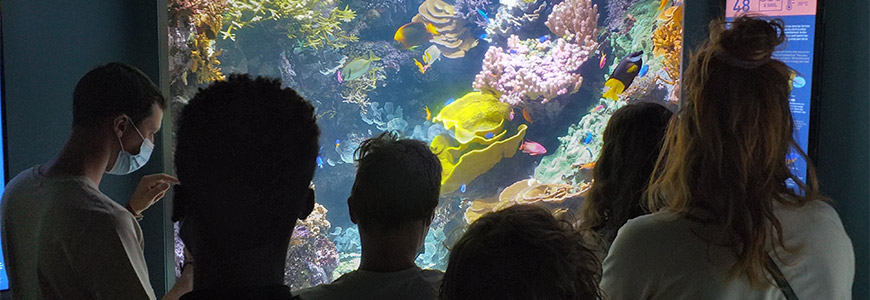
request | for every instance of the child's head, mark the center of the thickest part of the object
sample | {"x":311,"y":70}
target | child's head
{"x":521,"y":252}
{"x":397,"y":183}
{"x":632,"y":143}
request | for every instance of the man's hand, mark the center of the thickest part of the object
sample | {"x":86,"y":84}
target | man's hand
{"x":151,"y":189}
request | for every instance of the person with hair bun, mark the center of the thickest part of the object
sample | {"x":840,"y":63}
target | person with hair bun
{"x":728,"y":224}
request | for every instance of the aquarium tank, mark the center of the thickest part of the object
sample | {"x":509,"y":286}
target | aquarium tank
{"x":511,"y":95}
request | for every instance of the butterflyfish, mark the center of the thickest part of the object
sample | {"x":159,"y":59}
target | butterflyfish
{"x":623,"y":75}
{"x":533,"y":148}
{"x":414,"y":34}
{"x":358,"y":67}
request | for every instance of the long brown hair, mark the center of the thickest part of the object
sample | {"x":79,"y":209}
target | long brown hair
{"x":726,"y":151}
{"x":632,"y":143}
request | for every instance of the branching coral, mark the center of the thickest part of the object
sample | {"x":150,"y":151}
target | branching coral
{"x":202,"y":20}
{"x":314,"y":23}
{"x":531,"y":70}
{"x":668,"y":42}
{"x":454,"y":37}
{"x":528,"y":191}
{"x":575,"y":21}
{"x":541,"y":69}
{"x":356,"y":91}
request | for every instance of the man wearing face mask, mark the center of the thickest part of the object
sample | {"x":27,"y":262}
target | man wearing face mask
{"x":62,"y":237}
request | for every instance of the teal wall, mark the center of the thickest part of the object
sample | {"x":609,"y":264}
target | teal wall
{"x":843,"y":157}
{"x":842,"y":124}
{"x":48,"y":45}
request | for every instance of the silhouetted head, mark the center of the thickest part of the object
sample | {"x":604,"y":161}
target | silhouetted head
{"x":397,"y":184}
{"x":245,"y":156}
{"x":521,"y":252}
{"x":727,"y":150}
{"x":632,"y":143}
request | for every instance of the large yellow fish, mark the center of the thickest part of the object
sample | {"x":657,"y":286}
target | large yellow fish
{"x":414,"y":34}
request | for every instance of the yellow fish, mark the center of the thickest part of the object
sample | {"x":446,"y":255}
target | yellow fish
{"x":421,"y":66}
{"x":428,"y":113}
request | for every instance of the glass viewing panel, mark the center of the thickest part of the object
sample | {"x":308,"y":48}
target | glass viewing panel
{"x":514,"y":88}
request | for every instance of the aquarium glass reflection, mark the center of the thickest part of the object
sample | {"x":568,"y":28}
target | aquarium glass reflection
{"x":512,"y":95}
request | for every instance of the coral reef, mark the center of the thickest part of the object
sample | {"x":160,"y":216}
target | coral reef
{"x":195,"y":26}
{"x":356,"y":91}
{"x":541,"y":69}
{"x":312,"y":257}
{"x":427,"y":132}
{"x":473,"y":116}
{"x":617,"y":11}
{"x":435,"y":253}
{"x":312,"y":23}
{"x":531,"y":71}
{"x":346,"y":240}
{"x":580,"y":146}
{"x":668,"y":42}
{"x":388,"y":118}
{"x":528,"y":191}
{"x":454,"y":37}
{"x":468,"y":10}
{"x":515,"y":16}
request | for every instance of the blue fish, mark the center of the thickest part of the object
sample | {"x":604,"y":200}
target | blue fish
{"x":483,"y":36}
{"x":449,"y":101}
{"x":588,"y":138}
{"x":643,"y":70}
{"x":337,"y":143}
{"x":590,"y":152}
{"x":512,"y":51}
{"x":320,"y":162}
{"x":462,"y":188}
{"x":543,"y":38}
{"x":489,"y":135}
{"x":483,"y":14}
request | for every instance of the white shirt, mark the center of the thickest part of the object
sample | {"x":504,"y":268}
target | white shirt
{"x":410,"y":284}
{"x":64,"y":239}
{"x":661,"y":256}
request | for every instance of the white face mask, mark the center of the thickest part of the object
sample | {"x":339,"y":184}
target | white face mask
{"x":127,"y":163}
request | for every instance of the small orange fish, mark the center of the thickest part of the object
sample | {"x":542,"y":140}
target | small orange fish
{"x":428,"y":113}
{"x":527,"y":116}
{"x":587,"y":166}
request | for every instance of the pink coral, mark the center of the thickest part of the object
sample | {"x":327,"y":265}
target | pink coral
{"x":542,"y":69}
{"x":531,"y":70}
